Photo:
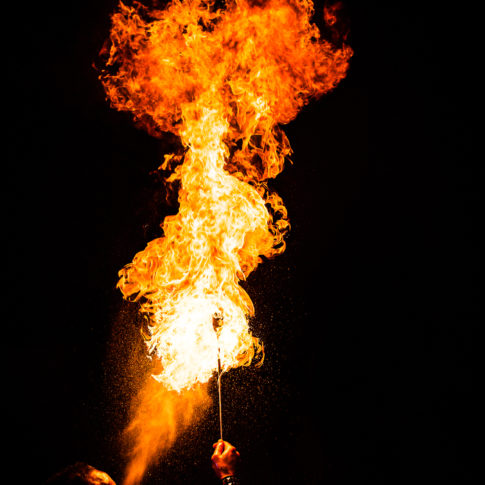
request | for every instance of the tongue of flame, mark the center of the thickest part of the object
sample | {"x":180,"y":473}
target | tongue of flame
{"x":222,"y":80}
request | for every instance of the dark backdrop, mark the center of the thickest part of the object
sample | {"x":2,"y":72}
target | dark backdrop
{"x":369,"y":318}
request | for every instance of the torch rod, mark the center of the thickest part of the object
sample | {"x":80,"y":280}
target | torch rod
{"x":219,"y":375}
{"x":216,"y":323}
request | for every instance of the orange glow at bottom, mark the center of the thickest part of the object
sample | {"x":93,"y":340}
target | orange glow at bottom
{"x":159,"y":417}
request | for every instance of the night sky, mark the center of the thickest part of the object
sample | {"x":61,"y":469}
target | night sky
{"x":369,"y":319}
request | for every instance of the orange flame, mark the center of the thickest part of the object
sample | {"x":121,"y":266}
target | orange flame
{"x":159,"y":415}
{"x":223,"y":80}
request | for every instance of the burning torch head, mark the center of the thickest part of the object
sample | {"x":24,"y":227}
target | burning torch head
{"x":217,"y":320}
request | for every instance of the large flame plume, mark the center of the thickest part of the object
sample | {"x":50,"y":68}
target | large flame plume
{"x":222,"y":77}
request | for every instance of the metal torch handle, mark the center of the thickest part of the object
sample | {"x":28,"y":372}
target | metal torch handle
{"x":216,"y":323}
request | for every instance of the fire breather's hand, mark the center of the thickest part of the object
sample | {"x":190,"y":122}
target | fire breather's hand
{"x":224,"y":459}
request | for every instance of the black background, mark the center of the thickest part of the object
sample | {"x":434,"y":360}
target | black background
{"x":369,"y":318}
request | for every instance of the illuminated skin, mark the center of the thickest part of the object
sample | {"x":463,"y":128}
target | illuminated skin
{"x":225,"y":459}
{"x":97,"y":477}
{"x":78,"y":473}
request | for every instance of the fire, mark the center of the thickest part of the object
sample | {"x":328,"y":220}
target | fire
{"x":223,"y":79}
{"x":158,"y":417}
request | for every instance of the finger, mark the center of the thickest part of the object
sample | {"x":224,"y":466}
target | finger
{"x":229,"y":449}
{"x":217,"y":442}
{"x":219,"y":447}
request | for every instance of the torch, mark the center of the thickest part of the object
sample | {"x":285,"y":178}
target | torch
{"x":217,"y":323}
